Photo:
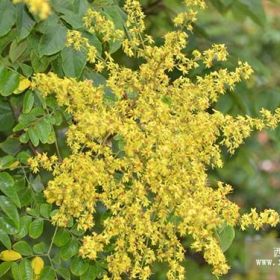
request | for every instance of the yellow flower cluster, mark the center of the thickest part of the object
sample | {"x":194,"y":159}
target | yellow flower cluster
{"x":189,"y":16}
{"x":79,"y":43}
{"x":268,"y":216}
{"x":42,"y":160}
{"x":134,"y":26}
{"x":95,"y":22}
{"x":37,"y":7}
{"x":145,"y":156}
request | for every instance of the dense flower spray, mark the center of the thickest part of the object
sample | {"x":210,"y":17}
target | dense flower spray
{"x":145,"y":155}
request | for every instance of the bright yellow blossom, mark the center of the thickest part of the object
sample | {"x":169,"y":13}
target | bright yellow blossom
{"x":268,"y":216}
{"x":96,"y":22}
{"x":42,"y":160}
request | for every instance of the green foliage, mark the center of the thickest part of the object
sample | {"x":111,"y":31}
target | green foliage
{"x":4,"y":268}
{"x":226,"y":236}
{"x":9,"y":81}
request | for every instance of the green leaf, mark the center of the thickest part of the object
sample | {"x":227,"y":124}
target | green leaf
{"x":5,"y":239}
{"x":25,"y":270}
{"x":113,"y":13}
{"x":23,"y":157}
{"x":226,"y":236}
{"x":64,"y":273}
{"x":44,"y":100}
{"x":25,"y":192}
{"x":57,"y":66}
{"x":45,"y":210}
{"x":26,"y":120}
{"x":47,"y":273}
{"x":62,"y":237}
{"x":73,"y":15}
{"x":26,"y":69}
{"x":40,"y":248}
{"x":73,"y":19}
{"x":36,"y":228}
{"x":7,"y":16}
{"x":62,"y":5}
{"x":52,"y":22}
{"x":37,"y":184}
{"x":24,"y":138}
{"x":7,"y":225}
{"x":118,"y":144}
{"x":34,"y":138}
{"x":17,"y":51}
{"x":33,"y":211}
{"x":15,"y":271}
{"x":9,"y":208}
{"x":7,"y":161}
{"x":24,"y":225}
{"x":53,"y":41}
{"x":52,"y":137}
{"x":109,"y":97}
{"x":70,"y":249}
{"x":26,"y":197}
{"x":43,"y":129}
{"x":7,"y":187}
{"x":254,"y":8}
{"x":57,"y":118}
{"x":94,"y":41}
{"x":23,"y":248}
{"x":39,"y":64}
{"x":5,"y":41}
{"x":7,"y":118}
{"x":4,"y":268}
{"x":24,"y":23}
{"x":10,"y":146}
{"x":90,"y":274}
{"x":78,"y":266}
{"x":57,"y":260}
{"x":9,"y":81}
{"x":28,"y":101}
{"x":73,"y":62}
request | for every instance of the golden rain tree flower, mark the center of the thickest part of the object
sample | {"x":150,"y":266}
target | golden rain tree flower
{"x":76,"y":40}
{"x":154,"y":186}
{"x":96,"y":22}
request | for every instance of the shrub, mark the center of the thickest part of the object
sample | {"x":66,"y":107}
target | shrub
{"x":105,"y":171}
